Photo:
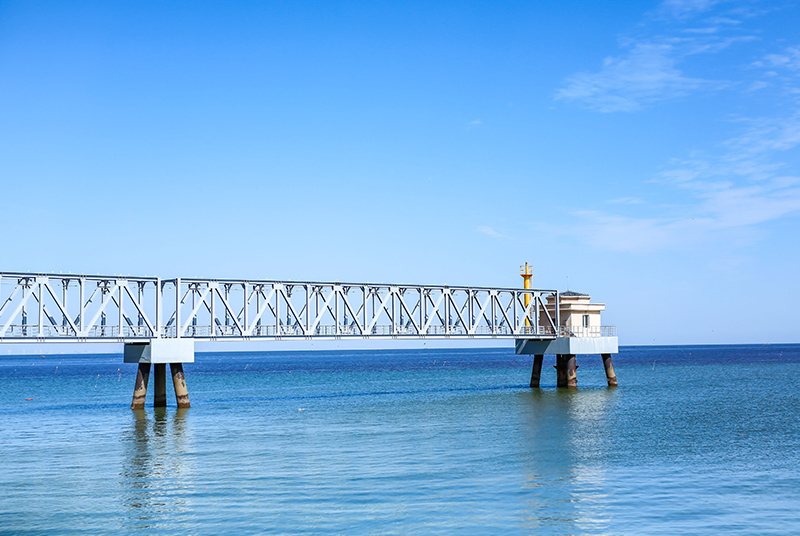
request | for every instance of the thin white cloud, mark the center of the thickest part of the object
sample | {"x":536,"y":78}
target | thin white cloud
{"x":649,"y":68}
{"x":757,"y":85}
{"x":727,"y":195}
{"x":789,"y":59}
{"x":626,"y":201}
{"x":780,"y":69}
{"x":737,"y":206}
{"x":682,"y":9}
{"x":729,"y":213}
{"x":647,"y":74}
{"x":756,"y":147}
{"x":730,"y":196}
{"x":614,"y":232}
{"x":475,"y":123}
{"x":489,"y":231}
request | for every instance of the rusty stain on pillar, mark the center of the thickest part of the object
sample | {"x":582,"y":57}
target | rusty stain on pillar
{"x":536,"y":372}
{"x":561,"y":370}
{"x":572,"y":372}
{"x":140,"y":388}
{"x":179,"y":381}
{"x":611,"y":377}
{"x":159,"y":385}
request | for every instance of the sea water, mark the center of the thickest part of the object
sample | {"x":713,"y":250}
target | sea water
{"x":695,"y":440}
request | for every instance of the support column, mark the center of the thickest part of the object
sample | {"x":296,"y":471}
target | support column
{"x":160,"y":385}
{"x":561,"y":370}
{"x":179,"y":381}
{"x":572,"y":372}
{"x":536,"y":372}
{"x":140,"y":388}
{"x":611,"y":377}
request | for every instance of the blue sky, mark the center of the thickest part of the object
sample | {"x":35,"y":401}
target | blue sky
{"x":646,"y":151}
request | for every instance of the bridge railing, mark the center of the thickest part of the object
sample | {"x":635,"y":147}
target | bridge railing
{"x":587,"y":331}
{"x":212,"y":332}
{"x":249,"y":309}
{"x":580,"y":331}
{"x":28,"y":331}
{"x":198,"y":331}
{"x":80,"y":307}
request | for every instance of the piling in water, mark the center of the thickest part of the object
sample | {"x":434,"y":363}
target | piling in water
{"x":140,"y":388}
{"x":611,"y":377}
{"x":536,"y":372}
{"x":179,"y":381}
{"x":572,"y":372}
{"x":159,"y":385}
{"x":561,"y":370}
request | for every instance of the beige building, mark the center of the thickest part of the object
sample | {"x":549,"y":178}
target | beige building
{"x":579,"y":332}
{"x":579,"y":316}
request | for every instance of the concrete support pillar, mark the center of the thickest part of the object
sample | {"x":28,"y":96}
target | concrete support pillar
{"x":536,"y":372}
{"x":611,"y":377}
{"x":561,"y":370}
{"x":159,"y":385}
{"x":179,"y":381}
{"x":572,"y":372}
{"x":140,"y":388}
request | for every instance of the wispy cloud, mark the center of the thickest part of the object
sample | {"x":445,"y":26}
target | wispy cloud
{"x":626,"y":201}
{"x":682,"y":9}
{"x":748,"y":184}
{"x":780,"y":69}
{"x":615,"y":232}
{"x":729,"y":213}
{"x":489,"y":231}
{"x":789,"y":59}
{"x":646,"y":74}
{"x":649,"y":68}
{"x":475,"y":123}
{"x":726,"y":193}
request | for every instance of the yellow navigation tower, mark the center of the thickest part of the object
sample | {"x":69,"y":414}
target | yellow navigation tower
{"x":526,"y":271}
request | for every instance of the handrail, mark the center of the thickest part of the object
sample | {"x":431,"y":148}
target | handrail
{"x":30,"y":331}
{"x":41,"y":307}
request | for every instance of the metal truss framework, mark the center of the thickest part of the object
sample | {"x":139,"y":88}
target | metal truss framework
{"x":57,"y":307}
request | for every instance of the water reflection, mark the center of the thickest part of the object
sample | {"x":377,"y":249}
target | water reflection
{"x":156,"y":473}
{"x":565,"y":443}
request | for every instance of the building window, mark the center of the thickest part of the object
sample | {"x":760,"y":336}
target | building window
{"x":586,"y":321}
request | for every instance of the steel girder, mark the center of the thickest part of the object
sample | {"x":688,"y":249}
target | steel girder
{"x":84,"y":308}
{"x":78,"y":307}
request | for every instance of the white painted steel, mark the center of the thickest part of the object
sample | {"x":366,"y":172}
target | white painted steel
{"x":131,"y":309}
{"x":160,"y":351}
{"x":571,"y":345}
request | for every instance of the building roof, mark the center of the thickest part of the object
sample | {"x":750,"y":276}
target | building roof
{"x":572,"y":293}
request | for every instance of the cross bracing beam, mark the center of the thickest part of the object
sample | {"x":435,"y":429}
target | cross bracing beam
{"x":69,"y":315}
{"x":124,"y":308}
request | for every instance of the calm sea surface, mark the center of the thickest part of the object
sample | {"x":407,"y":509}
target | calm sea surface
{"x":696,"y":440}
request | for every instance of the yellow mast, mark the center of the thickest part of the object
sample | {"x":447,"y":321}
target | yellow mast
{"x":526,"y":271}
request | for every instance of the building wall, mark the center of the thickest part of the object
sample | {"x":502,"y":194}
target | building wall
{"x":573,"y":308}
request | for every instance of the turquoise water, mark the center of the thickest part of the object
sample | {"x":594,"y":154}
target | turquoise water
{"x":696,"y":440}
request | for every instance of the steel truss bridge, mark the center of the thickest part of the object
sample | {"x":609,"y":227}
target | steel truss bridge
{"x":83,"y":308}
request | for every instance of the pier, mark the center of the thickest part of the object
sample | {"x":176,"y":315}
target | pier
{"x":159,"y":320}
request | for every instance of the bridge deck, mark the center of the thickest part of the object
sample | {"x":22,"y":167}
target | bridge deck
{"x":79,"y":308}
